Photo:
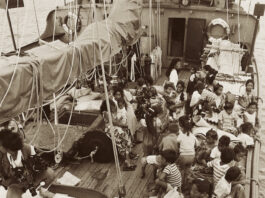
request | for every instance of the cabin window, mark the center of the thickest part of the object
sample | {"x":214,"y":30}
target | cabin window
{"x":176,"y":31}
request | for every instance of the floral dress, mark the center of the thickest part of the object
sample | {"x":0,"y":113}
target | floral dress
{"x":122,"y":135}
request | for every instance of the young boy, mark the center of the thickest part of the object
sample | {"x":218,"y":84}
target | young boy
{"x":170,"y":176}
{"x":203,"y":154}
{"x":246,"y":132}
{"x":201,"y":188}
{"x":167,"y":142}
{"x":250,"y":115}
{"x":220,"y":166}
{"x":223,"y":187}
{"x":227,"y":119}
{"x":224,"y":142}
{"x":169,"y":139}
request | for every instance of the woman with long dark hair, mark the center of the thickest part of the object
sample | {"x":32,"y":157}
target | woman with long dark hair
{"x":172,"y":72}
{"x":15,"y":155}
{"x":121,"y":132}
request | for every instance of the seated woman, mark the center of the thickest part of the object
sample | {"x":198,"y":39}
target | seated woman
{"x":122,"y":134}
{"x":247,"y":94}
{"x":119,"y":94}
{"x":178,"y":108}
{"x":15,"y":155}
{"x":172,"y":72}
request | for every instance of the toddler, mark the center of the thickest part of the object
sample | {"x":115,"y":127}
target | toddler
{"x":121,"y":111}
{"x":201,"y":188}
{"x":227,"y":119}
{"x":246,"y":133}
{"x":224,"y":186}
{"x":223,"y":143}
{"x":170,"y":177}
{"x":203,"y":153}
{"x":220,"y":166}
{"x":250,"y":115}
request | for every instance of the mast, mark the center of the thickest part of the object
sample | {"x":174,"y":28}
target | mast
{"x":11,"y":29}
{"x":258,"y":11}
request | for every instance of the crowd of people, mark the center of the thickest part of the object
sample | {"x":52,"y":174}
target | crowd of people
{"x":206,"y":166}
{"x":211,"y":165}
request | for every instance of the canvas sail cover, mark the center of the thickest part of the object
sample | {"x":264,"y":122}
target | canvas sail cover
{"x":41,"y":74}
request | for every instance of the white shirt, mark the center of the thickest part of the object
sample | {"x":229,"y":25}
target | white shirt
{"x":245,"y":139}
{"x":18,"y":161}
{"x":195,"y":98}
{"x":122,"y":115}
{"x":187,"y":144}
{"x":173,"y":77}
{"x":222,"y":188}
{"x":250,"y":118}
{"x":215,"y":153}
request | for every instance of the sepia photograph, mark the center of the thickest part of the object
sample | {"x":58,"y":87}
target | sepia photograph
{"x":132,"y":99}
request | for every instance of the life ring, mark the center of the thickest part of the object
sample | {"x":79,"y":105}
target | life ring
{"x":221,"y":23}
{"x":185,"y":2}
{"x":76,"y":20}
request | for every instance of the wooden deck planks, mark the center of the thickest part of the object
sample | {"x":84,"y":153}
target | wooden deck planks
{"x":101,"y":177}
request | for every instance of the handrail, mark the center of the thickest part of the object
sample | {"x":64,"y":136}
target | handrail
{"x":256,"y":152}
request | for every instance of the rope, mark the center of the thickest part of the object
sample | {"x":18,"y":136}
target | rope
{"x":116,"y":157}
{"x":66,"y":131}
{"x":227,"y":11}
{"x":107,"y":26}
{"x":150,"y":24}
{"x":55,"y":15}
{"x":239,"y":25}
{"x":15,"y":69}
{"x":36,"y":18}
{"x":18,"y":22}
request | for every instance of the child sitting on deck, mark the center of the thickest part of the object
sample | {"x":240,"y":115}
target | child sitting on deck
{"x":170,"y":177}
{"x":250,"y":115}
{"x":168,"y":142}
{"x":121,"y":111}
{"x":246,"y":133}
{"x":223,"y":143}
{"x":201,"y":188}
{"x":227,"y":119}
{"x":187,"y":144}
{"x":220,"y":166}
{"x":224,"y":186}
{"x":206,"y":146}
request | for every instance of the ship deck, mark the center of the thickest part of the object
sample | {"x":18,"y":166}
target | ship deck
{"x":100,"y":177}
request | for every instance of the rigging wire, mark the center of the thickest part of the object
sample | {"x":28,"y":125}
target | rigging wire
{"x":54,"y":22}
{"x":116,"y":157}
{"x":36,"y":18}
{"x":150,"y":25}
{"x":17,"y":60}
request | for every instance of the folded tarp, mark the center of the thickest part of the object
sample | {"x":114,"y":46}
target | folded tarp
{"x":51,"y":68}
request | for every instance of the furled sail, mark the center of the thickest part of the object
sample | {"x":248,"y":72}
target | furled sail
{"x":24,"y":81}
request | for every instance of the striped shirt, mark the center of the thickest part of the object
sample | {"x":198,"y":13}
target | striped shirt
{"x":218,"y":170}
{"x":173,"y":175}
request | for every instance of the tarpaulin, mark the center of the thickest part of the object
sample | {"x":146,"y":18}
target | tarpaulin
{"x":51,"y":68}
